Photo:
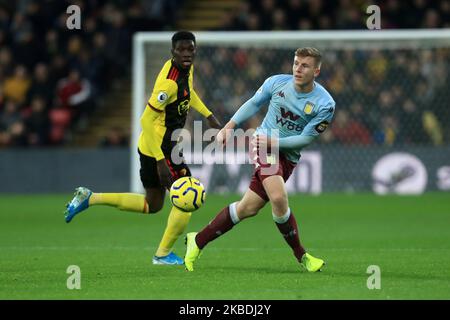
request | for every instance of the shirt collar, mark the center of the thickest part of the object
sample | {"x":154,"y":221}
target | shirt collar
{"x":303,"y":95}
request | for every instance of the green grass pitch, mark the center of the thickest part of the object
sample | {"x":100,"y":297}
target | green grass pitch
{"x":407,"y":237}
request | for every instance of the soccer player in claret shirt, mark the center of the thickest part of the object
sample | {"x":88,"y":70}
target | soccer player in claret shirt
{"x":300,"y":109}
{"x":166,"y":111}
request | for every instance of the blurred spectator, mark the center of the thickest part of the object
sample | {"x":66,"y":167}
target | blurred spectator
{"x":41,"y":85}
{"x":432,"y":19}
{"x":387,"y":97}
{"x":74,"y":93}
{"x":342,"y":14}
{"x":50,"y":74}
{"x":294,"y":10}
{"x":161,"y":12}
{"x":60,"y":119}
{"x":411,"y":118}
{"x":266,"y":9}
{"x":279,"y":21}
{"x":37,"y":122}
{"x":432,"y":128}
{"x":376,"y":66}
{"x":253,"y":22}
{"x":16,"y":86}
{"x":444,"y":11}
{"x":349,"y":131}
{"x":115,"y":138}
{"x":9,"y":115}
{"x":387,"y":132}
{"x":16,"y":135}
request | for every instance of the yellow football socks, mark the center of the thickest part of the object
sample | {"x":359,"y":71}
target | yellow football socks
{"x":176,"y":225}
{"x":124,"y":201}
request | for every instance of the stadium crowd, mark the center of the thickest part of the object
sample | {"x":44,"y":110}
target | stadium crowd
{"x":53,"y":78}
{"x":331,"y":15}
{"x":382,"y":97}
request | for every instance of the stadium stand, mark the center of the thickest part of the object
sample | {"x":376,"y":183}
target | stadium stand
{"x":404,"y":102}
{"x":54,"y":81}
{"x":58,"y":86}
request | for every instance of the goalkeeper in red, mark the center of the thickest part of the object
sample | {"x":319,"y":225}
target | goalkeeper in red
{"x":300,"y":109}
{"x":166,"y":110}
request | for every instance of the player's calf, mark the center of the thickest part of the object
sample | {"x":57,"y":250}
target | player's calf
{"x":287,"y":226}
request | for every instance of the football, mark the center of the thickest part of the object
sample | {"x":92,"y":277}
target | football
{"x":187,"y":194}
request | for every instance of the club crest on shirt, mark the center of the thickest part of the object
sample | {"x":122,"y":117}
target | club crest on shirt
{"x":183,"y":107}
{"x":309,"y":106}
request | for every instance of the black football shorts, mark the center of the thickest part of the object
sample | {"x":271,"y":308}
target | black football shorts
{"x":149,"y":171}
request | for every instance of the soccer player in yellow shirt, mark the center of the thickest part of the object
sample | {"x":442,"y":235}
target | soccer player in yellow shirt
{"x":166,"y":111}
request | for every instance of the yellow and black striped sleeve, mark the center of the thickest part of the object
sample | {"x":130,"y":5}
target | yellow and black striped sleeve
{"x":153,"y":119}
{"x":164,"y":92}
{"x":196,"y":102}
{"x":198,"y":105}
{"x":149,"y":142}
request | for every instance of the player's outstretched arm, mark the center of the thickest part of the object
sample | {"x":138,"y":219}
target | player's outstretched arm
{"x":252,"y":105}
{"x":213,"y":122}
{"x":198,"y":105}
{"x":246,"y":111}
{"x":293,"y":142}
{"x":311,"y":131}
{"x":225,"y":133}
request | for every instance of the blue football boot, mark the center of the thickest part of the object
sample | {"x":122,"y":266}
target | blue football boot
{"x":79,"y":203}
{"x":170,"y":259}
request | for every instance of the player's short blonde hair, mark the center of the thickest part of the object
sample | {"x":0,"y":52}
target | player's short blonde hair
{"x":310,"y":52}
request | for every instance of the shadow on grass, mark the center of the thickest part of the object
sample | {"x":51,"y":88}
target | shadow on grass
{"x":257,"y":270}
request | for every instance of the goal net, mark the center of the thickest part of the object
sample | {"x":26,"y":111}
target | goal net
{"x":389,"y":132}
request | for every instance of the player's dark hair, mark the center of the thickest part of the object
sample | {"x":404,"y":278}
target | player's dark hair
{"x":310,"y":52}
{"x":182,"y":35}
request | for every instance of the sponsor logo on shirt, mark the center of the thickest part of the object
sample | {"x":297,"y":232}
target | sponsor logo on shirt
{"x":288,"y":114}
{"x":289,"y":124}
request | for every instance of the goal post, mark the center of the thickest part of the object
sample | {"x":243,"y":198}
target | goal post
{"x":246,"y":58}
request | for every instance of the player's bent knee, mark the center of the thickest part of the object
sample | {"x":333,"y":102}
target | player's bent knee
{"x":279,"y":201}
